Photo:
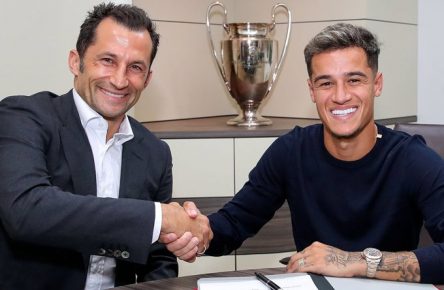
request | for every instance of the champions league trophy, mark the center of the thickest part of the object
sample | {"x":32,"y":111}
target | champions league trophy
{"x":249,"y":63}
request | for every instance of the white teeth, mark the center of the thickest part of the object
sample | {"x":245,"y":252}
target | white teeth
{"x":343,"y":112}
{"x":114,"y":95}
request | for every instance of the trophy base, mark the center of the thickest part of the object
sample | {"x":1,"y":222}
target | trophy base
{"x":252,"y":121}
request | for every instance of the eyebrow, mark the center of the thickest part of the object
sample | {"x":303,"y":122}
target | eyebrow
{"x":349,"y":74}
{"x":113,"y":55}
{"x":107,"y":53}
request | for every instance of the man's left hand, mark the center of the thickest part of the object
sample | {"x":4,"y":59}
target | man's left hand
{"x":327,"y":260}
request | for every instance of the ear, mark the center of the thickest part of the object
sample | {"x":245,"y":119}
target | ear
{"x":379,"y":82}
{"x":74,"y":62}
{"x":148,"y":79}
{"x":310,"y":88}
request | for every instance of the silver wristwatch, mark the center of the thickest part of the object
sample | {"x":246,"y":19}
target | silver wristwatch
{"x":372,"y":257}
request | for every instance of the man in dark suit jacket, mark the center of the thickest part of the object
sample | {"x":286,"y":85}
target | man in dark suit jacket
{"x":65,"y":223}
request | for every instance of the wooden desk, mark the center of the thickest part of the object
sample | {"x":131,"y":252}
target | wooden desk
{"x":190,"y":282}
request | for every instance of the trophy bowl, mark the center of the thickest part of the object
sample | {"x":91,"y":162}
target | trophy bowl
{"x":248,"y":63}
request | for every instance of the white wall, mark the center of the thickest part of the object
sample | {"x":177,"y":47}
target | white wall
{"x":36,"y":37}
{"x":430,"y":61}
{"x":186,"y":83}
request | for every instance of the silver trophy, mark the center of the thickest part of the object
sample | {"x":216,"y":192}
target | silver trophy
{"x":249,"y":63}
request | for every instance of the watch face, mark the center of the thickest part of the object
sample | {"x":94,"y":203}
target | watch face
{"x":372,"y":253}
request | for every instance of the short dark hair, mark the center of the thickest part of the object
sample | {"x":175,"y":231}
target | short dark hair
{"x":343,"y":35}
{"x":132,"y":17}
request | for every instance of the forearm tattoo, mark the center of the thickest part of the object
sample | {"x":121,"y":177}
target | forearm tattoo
{"x":402,"y":266}
{"x":341,"y":258}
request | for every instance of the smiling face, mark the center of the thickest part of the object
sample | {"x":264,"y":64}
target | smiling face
{"x":114,"y":70}
{"x":343,"y":87}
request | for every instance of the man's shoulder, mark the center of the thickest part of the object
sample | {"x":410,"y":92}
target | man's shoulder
{"x":299,"y":138}
{"x":40,"y":99}
{"x":410,"y":148}
{"x":39,"y":95}
{"x":302,"y":133}
{"x":143,"y":132}
{"x":400,"y":138}
{"x":147,"y":144}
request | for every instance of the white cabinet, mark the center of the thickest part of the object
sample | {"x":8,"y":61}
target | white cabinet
{"x":247,"y":152}
{"x":202,"y":167}
{"x":213,"y":166}
{"x":217,"y":167}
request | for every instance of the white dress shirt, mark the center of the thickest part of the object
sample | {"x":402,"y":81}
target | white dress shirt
{"x":107,"y":161}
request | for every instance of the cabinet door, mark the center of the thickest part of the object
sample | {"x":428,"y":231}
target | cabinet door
{"x":248,"y":151}
{"x":202,"y":167}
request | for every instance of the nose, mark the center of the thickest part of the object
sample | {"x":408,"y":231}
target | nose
{"x":341,"y":94}
{"x":119,"y":78}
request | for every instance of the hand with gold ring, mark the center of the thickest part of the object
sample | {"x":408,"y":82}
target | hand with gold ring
{"x":207,"y":234}
{"x":199,"y":254}
{"x":192,"y":242}
{"x":184,"y":247}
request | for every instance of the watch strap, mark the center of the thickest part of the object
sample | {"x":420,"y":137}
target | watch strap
{"x":372,"y":266}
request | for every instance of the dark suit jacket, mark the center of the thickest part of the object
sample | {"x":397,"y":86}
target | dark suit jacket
{"x":51,"y":219}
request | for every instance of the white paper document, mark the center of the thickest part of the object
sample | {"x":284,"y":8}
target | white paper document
{"x":285,"y":281}
{"x":301,"y":281}
{"x":374,"y":284}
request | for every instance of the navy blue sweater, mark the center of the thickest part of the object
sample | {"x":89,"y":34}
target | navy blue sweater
{"x":378,"y":201}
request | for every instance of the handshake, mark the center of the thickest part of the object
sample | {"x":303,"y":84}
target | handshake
{"x":185,"y":231}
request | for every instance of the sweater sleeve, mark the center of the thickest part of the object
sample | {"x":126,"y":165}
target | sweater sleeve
{"x":428,"y":175}
{"x":431,"y":263}
{"x":253,"y":206}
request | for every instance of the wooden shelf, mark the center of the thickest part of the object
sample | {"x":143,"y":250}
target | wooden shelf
{"x":215,"y":127}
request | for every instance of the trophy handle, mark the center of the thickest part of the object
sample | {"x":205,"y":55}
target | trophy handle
{"x":218,"y":62}
{"x":287,"y":38}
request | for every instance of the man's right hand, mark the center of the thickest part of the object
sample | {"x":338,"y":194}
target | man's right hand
{"x":186,"y":232}
{"x":184,"y":247}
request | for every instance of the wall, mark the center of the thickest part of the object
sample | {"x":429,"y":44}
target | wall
{"x":186,"y":83}
{"x":36,"y":37}
{"x":430,"y":62}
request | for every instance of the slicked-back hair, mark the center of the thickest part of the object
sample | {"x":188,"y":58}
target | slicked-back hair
{"x":340,"y":36}
{"x":132,"y":17}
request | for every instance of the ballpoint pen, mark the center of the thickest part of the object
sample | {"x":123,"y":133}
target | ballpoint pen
{"x":267,"y":281}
